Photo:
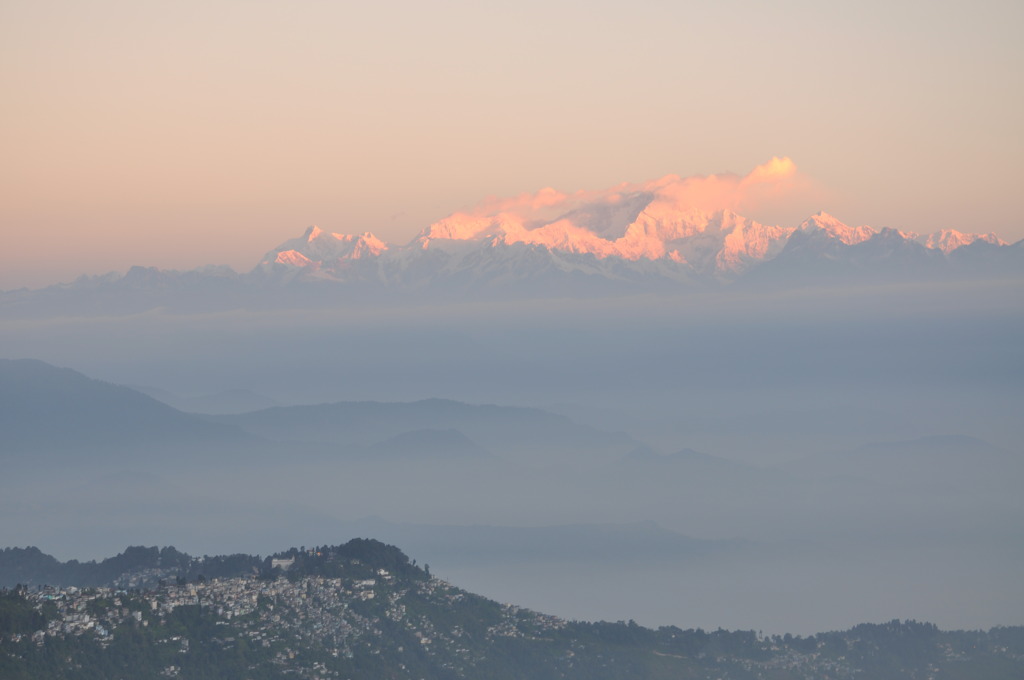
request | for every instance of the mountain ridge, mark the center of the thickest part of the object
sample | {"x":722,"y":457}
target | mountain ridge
{"x":626,"y":240}
{"x":719,"y":244}
{"x":47,"y":409}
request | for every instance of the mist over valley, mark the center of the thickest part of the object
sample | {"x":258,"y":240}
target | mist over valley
{"x":788,"y":462}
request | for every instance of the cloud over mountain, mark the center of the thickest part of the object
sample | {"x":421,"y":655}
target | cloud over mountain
{"x":668,"y":234}
{"x":630,"y":221}
{"x":679,"y":229}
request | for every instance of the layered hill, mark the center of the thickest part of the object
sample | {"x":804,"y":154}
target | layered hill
{"x":553,"y":510}
{"x":435,"y":428}
{"x":45,"y":409}
{"x":50,"y":411}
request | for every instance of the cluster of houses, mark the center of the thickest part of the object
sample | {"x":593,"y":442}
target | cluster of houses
{"x":283,"y":615}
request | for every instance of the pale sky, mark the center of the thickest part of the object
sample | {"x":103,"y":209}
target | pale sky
{"x":178,"y":134}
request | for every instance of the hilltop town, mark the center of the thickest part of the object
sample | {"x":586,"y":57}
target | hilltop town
{"x":363,"y":610}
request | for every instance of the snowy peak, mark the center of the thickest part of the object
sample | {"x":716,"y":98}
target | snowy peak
{"x":948,"y":240}
{"x":945,"y":240}
{"x":829,"y":225}
{"x":745,"y":242}
{"x":316,"y":248}
{"x":642,"y":224}
{"x":292,"y":258}
{"x":462,"y":227}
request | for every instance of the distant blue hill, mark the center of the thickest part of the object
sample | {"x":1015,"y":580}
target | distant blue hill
{"x":48,"y":409}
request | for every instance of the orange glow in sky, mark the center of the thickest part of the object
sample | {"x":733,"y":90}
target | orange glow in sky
{"x":189,"y":133}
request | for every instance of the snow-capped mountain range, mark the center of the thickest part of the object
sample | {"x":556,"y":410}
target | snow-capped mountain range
{"x":660,"y":236}
{"x":671,"y":229}
{"x":641,"y":234}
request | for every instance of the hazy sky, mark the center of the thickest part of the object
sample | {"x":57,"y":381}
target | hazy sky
{"x":184,"y":133}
